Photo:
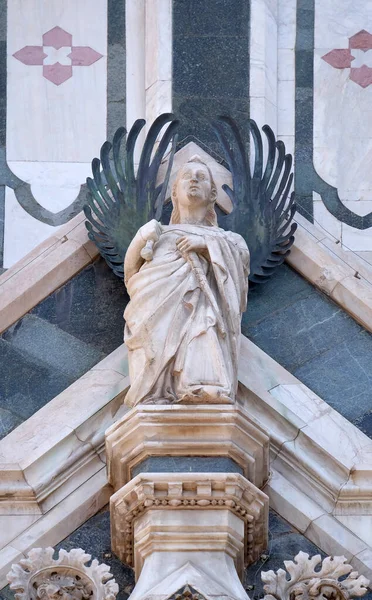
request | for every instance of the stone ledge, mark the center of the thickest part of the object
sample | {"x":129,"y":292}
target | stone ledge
{"x":320,"y":527}
{"x":311,"y":444}
{"x":46,"y":268}
{"x":342,"y":275}
{"x":44,"y":459}
{"x":52,"y":527}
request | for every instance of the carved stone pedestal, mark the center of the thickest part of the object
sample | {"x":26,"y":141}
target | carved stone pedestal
{"x":188,"y":534}
{"x":163,"y":431}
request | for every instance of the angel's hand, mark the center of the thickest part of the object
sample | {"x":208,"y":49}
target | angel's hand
{"x":150,"y":231}
{"x":191,"y":242}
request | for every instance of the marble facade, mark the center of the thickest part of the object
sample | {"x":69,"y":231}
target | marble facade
{"x":55,"y":172}
{"x":282,"y":444}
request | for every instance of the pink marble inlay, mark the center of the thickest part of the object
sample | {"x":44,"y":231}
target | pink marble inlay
{"x":31,"y":55}
{"x":362,"y":76}
{"x":57,"y":37}
{"x":57,"y":73}
{"x":361,"y":40}
{"x":341,"y":58}
{"x":81,"y":56}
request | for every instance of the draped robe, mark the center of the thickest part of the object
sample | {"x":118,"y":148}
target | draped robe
{"x":177,"y":348}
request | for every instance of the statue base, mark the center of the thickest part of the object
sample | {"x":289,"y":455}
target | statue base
{"x":188,"y":509}
{"x":180,"y":431}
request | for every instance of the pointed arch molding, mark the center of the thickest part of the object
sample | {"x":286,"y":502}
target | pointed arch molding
{"x":307,"y":180}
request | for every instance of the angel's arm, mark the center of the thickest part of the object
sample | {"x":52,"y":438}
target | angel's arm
{"x":133,"y":260}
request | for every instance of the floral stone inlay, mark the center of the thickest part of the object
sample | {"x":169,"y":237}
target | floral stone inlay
{"x":357,"y":57}
{"x":57,"y":55}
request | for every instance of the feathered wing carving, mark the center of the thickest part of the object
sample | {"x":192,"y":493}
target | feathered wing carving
{"x":120,"y":201}
{"x":263,"y":207}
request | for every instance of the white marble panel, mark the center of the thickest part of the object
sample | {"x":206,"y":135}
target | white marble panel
{"x":158,"y":41}
{"x":361,"y":525}
{"x":158,"y":100}
{"x":290,"y":502}
{"x":56,"y":122}
{"x":334,"y":539}
{"x":22,"y":232}
{"x":336,"y":21}
{"x":301,"y":401}
{"x":353,"y":239}
{"x":366,"y":258}
{"x":286,"y":108}
{"x":324,"y":219}
{"x":135,"y":60}
{"x":338,"y":437}
{"x":263,"y":112}
{"x":45,"y":121}
{"x":286,"y":23}
{"x":360,"y":207}
{"x":11,"y":527}
{"x":342,"y":107}
{"x":148,"y":60}
{"x":286,"y":64}
{"x":356,"y":240}
{"x":263,"y":62}
{"x":55,"y":185}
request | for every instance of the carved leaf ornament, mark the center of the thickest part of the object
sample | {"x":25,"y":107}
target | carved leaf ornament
{"x":312,"y":578}
{"x":68,"y":577}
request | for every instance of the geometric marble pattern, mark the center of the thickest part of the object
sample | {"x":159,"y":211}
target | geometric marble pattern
{"x":360,"y":50}
{"x":186,"y":593}
{"x":57,"y":55}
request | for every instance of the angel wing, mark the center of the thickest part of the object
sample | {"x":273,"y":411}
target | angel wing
{"x":120,"y":201}
{"x":262,"y":206}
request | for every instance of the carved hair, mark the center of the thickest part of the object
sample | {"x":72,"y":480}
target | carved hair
{"x":210,"y":217}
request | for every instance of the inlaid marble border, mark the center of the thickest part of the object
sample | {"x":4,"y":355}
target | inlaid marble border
{"x":307,"y":180}
{"x":116,"y":95}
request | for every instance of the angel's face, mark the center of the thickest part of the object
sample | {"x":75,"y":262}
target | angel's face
{"x":193,"y":185}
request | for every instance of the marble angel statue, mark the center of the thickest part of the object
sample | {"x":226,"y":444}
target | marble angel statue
{"x":183,"y":319}
{"x":187,"y":280}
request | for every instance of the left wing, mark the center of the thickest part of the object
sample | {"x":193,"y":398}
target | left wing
{"x":120,"y":201}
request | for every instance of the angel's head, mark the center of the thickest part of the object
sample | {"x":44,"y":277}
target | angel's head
{"x":194,"y":194}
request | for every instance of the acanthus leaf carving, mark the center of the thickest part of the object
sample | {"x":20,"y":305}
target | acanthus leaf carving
{"x":308,"y":581}
{"x":65,"y":578}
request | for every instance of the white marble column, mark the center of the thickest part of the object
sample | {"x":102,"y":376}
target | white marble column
{"x":149,"y":59}
{"x":263,"y":62}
